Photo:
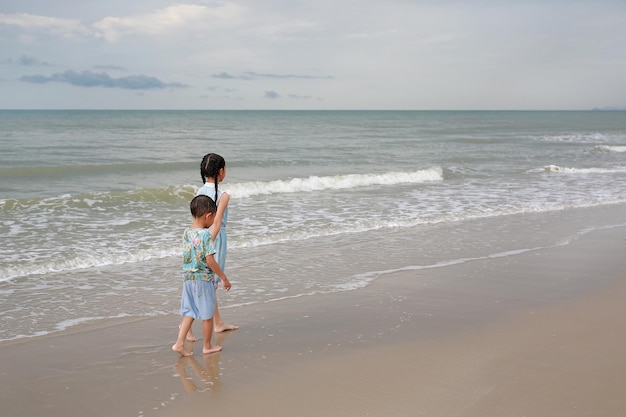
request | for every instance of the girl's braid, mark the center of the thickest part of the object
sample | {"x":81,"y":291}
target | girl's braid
{"x":204,"y":166}
{"x":215,"y":173}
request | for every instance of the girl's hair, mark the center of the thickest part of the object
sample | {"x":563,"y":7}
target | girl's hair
{"x":209,"y":167}
{"x":201,"y":205}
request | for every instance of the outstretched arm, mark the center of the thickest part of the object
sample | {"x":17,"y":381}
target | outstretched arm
{"x":217,"y":222}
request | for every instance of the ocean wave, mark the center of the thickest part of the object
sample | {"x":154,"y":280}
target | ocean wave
{"x":120,"y":255}
{"x":579,"y":138}
{"x":46,"y":171}
{"x":607,"y":148}
{"x":85,"y":261}
{"x":550,"y":169}
{"x":104,"y":199}
{"x":179,"y":193}
{"x":338,"y":182}
{"x":169,"y":248}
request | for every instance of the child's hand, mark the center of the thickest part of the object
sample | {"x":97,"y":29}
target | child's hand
{"x":226,"y":283}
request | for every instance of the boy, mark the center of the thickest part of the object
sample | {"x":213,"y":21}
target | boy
{"x":199,"y":270}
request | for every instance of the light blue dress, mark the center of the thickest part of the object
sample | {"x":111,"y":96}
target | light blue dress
{"x":220,"y":243}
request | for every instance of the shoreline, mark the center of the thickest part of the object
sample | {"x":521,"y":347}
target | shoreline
{"x":528,"y":334}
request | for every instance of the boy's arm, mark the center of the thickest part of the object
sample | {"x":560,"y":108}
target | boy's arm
{"x":212,"y":263}
{"x":217,"y":221}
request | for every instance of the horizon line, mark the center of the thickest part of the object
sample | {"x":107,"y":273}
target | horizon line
{"x":321,"y":110}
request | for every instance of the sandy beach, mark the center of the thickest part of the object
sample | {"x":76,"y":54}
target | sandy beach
{"x":534,"y":334}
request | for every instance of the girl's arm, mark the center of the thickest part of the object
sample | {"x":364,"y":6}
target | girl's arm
{"x":212,"y":263}
{"x":217,"y":221}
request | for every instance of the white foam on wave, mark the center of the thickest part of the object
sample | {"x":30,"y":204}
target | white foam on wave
{"x":607,"y":148}
{"x":87,"y":261}
{"x":568,"y":170}
{"x":338,"y":182}
{"x":577,"y":138}
{"x":291,"y":235}
{"x":63,"y":325}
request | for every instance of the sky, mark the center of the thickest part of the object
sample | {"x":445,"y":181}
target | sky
{"x":313,"y":54}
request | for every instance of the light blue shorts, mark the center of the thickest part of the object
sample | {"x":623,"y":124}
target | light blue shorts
{"x":198,"y":300}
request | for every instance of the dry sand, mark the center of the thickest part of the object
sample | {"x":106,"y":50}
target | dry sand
{"x":536,"y":334}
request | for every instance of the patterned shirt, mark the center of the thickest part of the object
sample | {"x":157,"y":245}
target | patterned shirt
{"x":197,"y":244}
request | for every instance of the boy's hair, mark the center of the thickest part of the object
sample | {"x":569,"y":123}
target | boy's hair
{"x":201,"y":205}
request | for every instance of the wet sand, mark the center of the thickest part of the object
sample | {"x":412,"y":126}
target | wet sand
{"x":534,"y":334}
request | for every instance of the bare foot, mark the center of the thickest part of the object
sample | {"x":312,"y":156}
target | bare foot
{"x":190,"y":337}
{"x":213,"y":349}
{"x":224,"y":327}
{"x":181,"y":350}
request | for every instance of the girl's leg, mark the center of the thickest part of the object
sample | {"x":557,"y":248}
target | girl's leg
{"x":220,"y":326}
{"x":179,"y":346}
{"x":179,"y":368}
{"x":190,"y":336}
{"x":207,"y":328}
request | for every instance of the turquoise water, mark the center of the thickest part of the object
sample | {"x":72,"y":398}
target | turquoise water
{"x":93,"y":203}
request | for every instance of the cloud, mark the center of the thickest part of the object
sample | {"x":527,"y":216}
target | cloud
{"x":185,"y":17}
{"x":25,"y":61}
{"x":92,"y":79}
{"x":64,"y":27}
{"x":271,"y":95}
{"x":298,"y":97}
{"x":178,"y":18}
{"x":216,"y":89}
{"x":285,"y":76}
{"x":250,"y":75}
{"x":110,"y":67}
{"x":227,"y":76}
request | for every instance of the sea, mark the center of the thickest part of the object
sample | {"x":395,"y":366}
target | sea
{"x":93,"y":203}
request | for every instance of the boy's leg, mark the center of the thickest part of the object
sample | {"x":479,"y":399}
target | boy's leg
{"x":207,"y":328}
{"x":179,"y":346}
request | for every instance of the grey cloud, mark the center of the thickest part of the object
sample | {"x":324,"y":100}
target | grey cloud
{"x":216,"y":89}
{"x":224,"y":75}
{"x":272,"y":95}
{"x":227,"y":76}
{"x":300,"y":97}
{"x":302,"y":77}
{"x":26,"y":60}
{"x":110,"y":67}
{"x":92,"y":79}
{"x":35,"y":79}
{"x":250,"y":75}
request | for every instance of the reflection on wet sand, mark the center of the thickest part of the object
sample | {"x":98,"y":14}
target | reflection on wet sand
{"x":205,"y":374}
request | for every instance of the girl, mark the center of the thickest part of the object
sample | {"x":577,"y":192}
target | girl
{"x":213,"y":171}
